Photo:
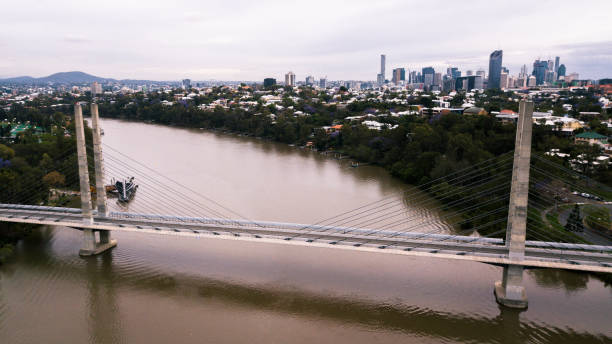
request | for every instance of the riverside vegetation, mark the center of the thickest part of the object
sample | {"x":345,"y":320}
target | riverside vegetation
{"x":419,"y":150}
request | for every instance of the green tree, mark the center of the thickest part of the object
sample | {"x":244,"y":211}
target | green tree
{"x":574,"y":221}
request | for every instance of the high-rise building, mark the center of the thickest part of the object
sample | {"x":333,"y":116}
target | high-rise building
{"x":310,"y":80}
{"x":437,"y":79}
{"x":495,"y":65}
{"x":557,"y":64}
{"x":269,"y":82}
{"x":539,"y":71}
{"x":469,"y":82}
{"x":561,"y":71}
{"x":532,"y":81}
{"x":481,"y":73}
{"x":428,"y":76}
{"x":290,"y":79}
{"x":413,"y":77}
{"x":399,"y":74}
{"x":455,"y":72}
{"x":383,"y":61}
{"x":503,"y":80}
{"x":323,"y":82}
{"x":96,"y":88}
{"x":524,"y":71}
{"x":186,"y":83}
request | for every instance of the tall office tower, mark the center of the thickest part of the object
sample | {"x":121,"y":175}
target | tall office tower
{"x":437,"y":79}
{"x":186,"y":83}
{"x":503,"y":80}
{"x":557,"y":64}
{"x":399,"y":74}
{"x":550,"y":76}
{"x":323,"y":82}
{"x":419,"y":77}
{"x":481,"y":73}
{"x":380,"y":79}
{"x":551,"y":65}
{"x":455,"y":72}
{"x":428,"y":76}
{"x":310,"y":80}
{"x":539,"y":71}
{"x":524,"y":71}
{"x":413,"y":77}
{"x":495,"y":65}
{"x":561,"y":71}
{"x":290,"y":79}
{"x":383,"y":60}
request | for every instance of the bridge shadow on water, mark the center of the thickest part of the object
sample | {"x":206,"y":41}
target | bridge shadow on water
{"x":105,"y":279}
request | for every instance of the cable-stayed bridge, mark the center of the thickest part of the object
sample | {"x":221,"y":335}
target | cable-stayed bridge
{"x":509,"y":195}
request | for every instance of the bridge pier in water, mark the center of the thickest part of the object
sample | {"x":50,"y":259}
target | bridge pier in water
{"x":90,"y":245}
{"x":510,"y":291}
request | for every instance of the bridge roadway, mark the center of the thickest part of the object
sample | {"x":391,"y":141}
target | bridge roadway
{"x":538,"y":254}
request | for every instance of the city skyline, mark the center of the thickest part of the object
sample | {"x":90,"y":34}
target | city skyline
{"x":222,"y":41}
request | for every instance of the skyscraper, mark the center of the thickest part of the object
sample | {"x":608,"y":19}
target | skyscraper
{"x":310,"y":80}
{"x":290,"y":79}
{"x":561,"y":71}
{"x":495,"y":65}
{"x":399,"y":74}
{"x":428,"y":76}
{"x":383,"y":61}
{"x":186,"y":83}
{"x":557,"y":64}
{"x":323,"y":82}
{"x":539,"y":71}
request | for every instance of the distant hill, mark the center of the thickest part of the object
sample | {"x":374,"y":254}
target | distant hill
{"x":58,"y":78}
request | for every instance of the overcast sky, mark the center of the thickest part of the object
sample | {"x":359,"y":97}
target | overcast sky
{"x":250,"y":40}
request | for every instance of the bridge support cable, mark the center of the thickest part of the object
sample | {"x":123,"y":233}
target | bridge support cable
{"x":369,"y":210}
{"x":451,"y":206}
{"x":182,"y":186}
{"x":385,"y":234}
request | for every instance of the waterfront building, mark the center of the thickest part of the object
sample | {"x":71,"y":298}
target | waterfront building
{"x":290,"y":79}
{"x":495,"y":68}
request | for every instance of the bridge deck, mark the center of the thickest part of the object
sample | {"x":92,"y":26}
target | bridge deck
{"x":537,"y":254}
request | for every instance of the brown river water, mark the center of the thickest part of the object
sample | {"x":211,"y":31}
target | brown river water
{"x":169,"y":289}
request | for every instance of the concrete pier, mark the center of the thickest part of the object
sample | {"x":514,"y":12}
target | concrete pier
{"x":510,"y":291}
{"x":90,"y":246}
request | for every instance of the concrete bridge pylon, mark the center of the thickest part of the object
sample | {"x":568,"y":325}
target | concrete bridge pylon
{"x":510,"y":291}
